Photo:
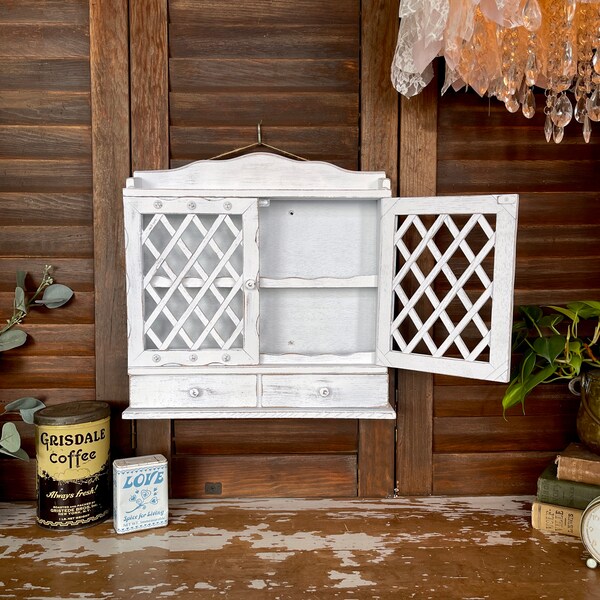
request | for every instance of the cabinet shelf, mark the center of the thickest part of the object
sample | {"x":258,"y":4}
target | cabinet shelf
{"x":361,"y":281}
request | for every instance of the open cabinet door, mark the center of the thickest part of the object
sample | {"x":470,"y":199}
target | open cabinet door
{"x":446,"y":284}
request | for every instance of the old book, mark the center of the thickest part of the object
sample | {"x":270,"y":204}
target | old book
{"x":564,"y":492}
{"x":577,"y":463}
{"x":557,"y":519}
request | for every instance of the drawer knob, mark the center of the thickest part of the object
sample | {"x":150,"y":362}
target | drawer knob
{"x":324,"y":392}
{"x":194,"y":392}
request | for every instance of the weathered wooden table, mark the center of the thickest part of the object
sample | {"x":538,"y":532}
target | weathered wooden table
{"x":401,"y":548}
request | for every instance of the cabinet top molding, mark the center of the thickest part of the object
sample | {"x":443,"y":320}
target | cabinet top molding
{"x":261,"y":171}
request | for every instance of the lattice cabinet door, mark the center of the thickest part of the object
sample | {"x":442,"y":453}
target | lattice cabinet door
{"x":192,"y":276}
{"x":446,"y":284}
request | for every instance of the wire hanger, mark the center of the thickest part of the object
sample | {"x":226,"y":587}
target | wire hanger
{"x":258,"y":144}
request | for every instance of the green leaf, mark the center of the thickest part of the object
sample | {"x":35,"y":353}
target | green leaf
{"x":10,"y":440}
{"x":550,"y":348}
{"x":12,"y":338}
{"x":20,"y":453}
{"x":567,"y":312}
{"x":21,"y":275}
{"x":515,"y":394}
{"x":576,"y":362}
{"x":56,"y":295}
{"x":21,"y":403}
{"x":527,"y":365}
{"x":550,"y":321}
{"x":538,"y":378}
{"x":20,"y":299}
{"x":531,"y":313}
{"x":26,"y":406}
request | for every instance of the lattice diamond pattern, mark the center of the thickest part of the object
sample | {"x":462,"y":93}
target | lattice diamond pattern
{"x":193,"y":281}
{"x":423,"y":308}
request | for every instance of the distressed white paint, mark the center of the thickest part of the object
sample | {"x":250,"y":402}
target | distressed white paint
{"x":349,"y":391}
{"x":500,"y":243}
{"x":262,"y":171}
{"x":313,"y":278}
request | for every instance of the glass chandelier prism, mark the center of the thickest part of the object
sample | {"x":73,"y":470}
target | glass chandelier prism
{"x":505,"y":48}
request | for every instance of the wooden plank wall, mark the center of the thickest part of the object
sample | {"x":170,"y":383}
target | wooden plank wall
{"x":45,"y":206}
{"x":484,"y":149}
{"x":294,"y":66}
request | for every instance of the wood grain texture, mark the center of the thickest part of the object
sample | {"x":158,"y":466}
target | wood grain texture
{"x":40,"y":209}
{"x":310,"y":12}
{"x":42,"y":142}
{"x":379,"y":100}
{"x":251,"y":75}
{"x":54,"y":74}
{"x":41,"y":107}
{"x":461,"y":547}
{"x":44,"y":40}
{"x":271,"y":436}
{"x":75,"y":12}
{"x":77,"y":272}
{"x":379,"y":116}
{"x":149,"y":85}
{"x":292,"y":40}
{"x":45,"y":202}
{"x":334,"y":143}
{"x":109,"y":63}
{"x":496,"y":434}
{"x":489,"y":473}
{"x":33,"y":371}
{"x":150,"y":147}
{"x":482,"y":147}
{"x":52,"y":241}
{"x":418,"y":177}
{"x":309,"y":476}
{"x":285,"y":109}
{"x":42,"y":175}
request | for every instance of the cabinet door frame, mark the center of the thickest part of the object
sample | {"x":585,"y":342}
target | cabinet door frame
{"x":247,"y":281}
{"x":498,"y":289}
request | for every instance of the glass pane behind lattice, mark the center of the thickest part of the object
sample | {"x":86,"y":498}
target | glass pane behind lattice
{"x":442,"y":285}
{"x":192,"y":269}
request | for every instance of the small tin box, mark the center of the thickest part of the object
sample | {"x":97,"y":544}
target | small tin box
{"x":141,"y":493}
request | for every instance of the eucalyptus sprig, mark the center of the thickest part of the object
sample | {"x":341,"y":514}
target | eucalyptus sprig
{"x":551,"y":345}
{"x":53,"y":296}
{"x":10,"y":440}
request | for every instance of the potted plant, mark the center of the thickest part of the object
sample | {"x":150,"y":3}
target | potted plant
{"x":560,"y":342}
{"x":52,"y":295}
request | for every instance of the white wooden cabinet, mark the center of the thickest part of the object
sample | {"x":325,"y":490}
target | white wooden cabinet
{"x":267,"y":287}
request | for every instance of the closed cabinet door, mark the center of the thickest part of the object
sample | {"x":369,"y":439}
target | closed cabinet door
{"x":446,"y":284}
{"x":192,"y":276}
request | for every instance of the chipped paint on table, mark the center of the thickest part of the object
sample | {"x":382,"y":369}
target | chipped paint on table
{"x":466,"y":548}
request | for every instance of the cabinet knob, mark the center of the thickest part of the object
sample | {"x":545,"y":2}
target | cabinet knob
{"x":324,"y":392}
{"x":194,"y":392}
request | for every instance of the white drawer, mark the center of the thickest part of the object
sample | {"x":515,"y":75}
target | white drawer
{"x":192,"y":391}
{"x":316,"y":391}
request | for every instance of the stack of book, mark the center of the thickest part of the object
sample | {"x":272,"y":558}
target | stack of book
{"x":564,"y":489}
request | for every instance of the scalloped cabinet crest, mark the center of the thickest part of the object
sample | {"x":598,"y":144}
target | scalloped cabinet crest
{"x":267,"y":287}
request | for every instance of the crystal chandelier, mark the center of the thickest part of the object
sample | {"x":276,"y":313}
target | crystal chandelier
{"x":503,"y":48}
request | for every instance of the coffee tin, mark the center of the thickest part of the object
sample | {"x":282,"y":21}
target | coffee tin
{"x":140,"y":493}
{"x":72,"y":444}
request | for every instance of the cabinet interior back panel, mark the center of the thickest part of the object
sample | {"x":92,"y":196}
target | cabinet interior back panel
{"x":317,"y":321}
{"x":310,"y":239}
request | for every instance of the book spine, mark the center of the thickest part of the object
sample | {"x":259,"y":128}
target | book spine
{"x":557,"y":519}
{"x":573,"y":494}
{"x":575,"y":469}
